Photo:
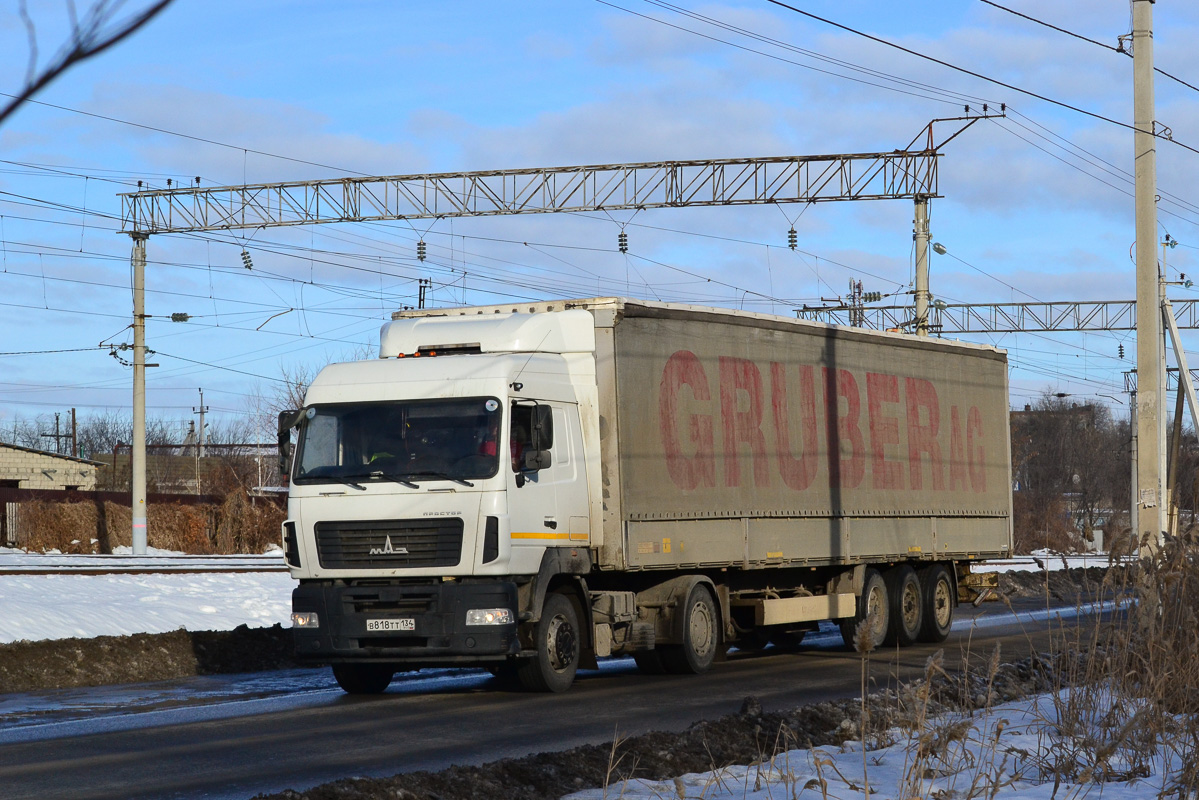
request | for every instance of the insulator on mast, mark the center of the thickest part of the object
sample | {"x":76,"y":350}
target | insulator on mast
{"x":622,"y":241}
{"x":420,"y":250}
{"x":792,"y":239}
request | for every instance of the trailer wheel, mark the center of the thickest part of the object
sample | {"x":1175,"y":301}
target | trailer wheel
{"x":907,"y":606}
{"x":936,"y":589}
{"x":556,"y":636}
{"x":700,"y":636}
{"x":363,"y":678}
{"x":872,"y":600}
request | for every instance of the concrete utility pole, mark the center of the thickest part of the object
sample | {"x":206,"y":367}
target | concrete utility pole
{"x":920,"y":234}
{"x":137,"y":455}
{"x":1150,"y":421}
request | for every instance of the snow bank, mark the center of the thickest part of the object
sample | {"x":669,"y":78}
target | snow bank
{"x":1013,"y":750}
{"x":63,"y":606}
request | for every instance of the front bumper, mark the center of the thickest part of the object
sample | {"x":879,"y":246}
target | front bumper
{"x":439,"y":634}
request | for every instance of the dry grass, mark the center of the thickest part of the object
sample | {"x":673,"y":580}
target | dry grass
{"x":236,"y":526}
{"x":1129,"y":690}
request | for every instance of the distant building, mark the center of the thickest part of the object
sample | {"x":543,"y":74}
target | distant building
{"x":26,"y":468}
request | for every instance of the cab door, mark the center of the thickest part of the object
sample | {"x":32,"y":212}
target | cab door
{"x":547,"y":505}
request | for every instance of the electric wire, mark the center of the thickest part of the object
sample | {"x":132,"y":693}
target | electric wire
{"x":980,"y":76}
{"x":1086,"y":39}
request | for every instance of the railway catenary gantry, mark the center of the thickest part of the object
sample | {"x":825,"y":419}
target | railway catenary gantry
{"x":900,"y":174}
{"x":951,"y":318}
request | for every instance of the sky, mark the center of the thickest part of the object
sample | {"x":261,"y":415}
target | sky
{"x":1036,"y":206}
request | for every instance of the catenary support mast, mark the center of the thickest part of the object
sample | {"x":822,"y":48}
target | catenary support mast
{"x":137,"y":456}
{"x":1150,"y":420}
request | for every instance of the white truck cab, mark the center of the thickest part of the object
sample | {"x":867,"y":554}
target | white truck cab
{"x":432,"y":482}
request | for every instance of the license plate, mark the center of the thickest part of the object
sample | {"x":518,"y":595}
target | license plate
{"x":390,"y":625}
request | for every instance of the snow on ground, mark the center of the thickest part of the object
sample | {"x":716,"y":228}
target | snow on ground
{"x":63,"y":606}
{"x":1011,"y":751}
{"x":1042,"y":560}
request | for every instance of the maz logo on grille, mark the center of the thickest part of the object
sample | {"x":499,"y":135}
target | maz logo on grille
{"x":387,"y":549}
{"x":389,"y":543}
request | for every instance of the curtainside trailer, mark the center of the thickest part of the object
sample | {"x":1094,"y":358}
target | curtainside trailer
{"x":529,"y":488}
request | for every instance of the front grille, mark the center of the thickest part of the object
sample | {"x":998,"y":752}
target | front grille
{"x":389,"y":544}
{"x":393,"y":641}
{"x":405,"y":604}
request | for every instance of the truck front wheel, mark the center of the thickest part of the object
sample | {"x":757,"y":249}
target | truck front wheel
{"x":363,"y":678}
{"x":700,"y":636}
{"x":556,"y":637}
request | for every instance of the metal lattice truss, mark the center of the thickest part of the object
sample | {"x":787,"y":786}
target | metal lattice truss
{"x":1099,"y":315}
{"x":665,"y":184}
{"x":1130,"y":379}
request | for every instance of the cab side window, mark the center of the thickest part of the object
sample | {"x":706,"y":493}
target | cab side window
{"x":532,"y":430}
{"x":521,"y":439}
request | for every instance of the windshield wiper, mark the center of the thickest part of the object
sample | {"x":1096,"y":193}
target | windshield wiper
{"x":395,"y":478}
{"x":347,"y":481}
{"x":442,"y":476}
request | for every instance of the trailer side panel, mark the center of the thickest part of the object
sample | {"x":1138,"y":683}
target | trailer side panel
{"x":751,"y":443}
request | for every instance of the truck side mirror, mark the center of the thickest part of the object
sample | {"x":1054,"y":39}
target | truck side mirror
{"x":287,"y":420}
{"x":536,"y":459}
{"x":542,"y":437}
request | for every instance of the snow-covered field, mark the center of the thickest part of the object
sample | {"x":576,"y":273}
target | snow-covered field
{"x":63,"y":606}
{"x":1010,"y":751}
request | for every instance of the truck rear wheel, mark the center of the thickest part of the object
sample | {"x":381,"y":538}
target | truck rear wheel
{"x":363,"y":678}
{"x":936,"y":589}
{"x":700,"y":636}
{"x":873,"y":600}
{"x":556,"y":637}
{"x":907,"y":605}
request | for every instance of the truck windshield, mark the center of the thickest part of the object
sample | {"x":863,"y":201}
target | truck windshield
{"x":431,"y":439}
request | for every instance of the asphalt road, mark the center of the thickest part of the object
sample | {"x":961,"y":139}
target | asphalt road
{"x":235,"y":749}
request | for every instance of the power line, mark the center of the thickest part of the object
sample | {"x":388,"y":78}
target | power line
{"x":45,"y":352}
{"x":218,"y":366}
{"x":1054,"y":27}
{"x":778,"y":43}
{"x":185,"y":135}
{"x":809,"y":53}
{"x":979,"y":75}
{"x":1120,"y":49}
{"x":771,"y":55}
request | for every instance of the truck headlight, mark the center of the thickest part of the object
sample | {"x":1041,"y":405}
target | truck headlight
{"x":305,"y":619}
{"x":489,"y":616}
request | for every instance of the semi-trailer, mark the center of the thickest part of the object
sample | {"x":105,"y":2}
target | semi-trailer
{"x":531,"y":487}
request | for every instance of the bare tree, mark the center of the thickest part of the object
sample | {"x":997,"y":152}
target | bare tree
{"x":1071,"y":466}
{"x":100,"y":27}
{"x":21,"y":431}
